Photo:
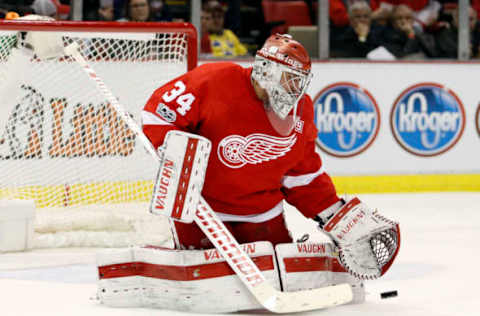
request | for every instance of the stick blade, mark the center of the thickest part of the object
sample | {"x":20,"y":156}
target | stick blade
{"x":291,"y":302}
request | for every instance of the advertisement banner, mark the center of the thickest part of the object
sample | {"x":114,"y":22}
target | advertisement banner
{"x":381,"y":118}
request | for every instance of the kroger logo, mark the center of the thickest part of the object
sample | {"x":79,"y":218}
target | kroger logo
{"x":427,"y":119}
{"x":347,"y":119}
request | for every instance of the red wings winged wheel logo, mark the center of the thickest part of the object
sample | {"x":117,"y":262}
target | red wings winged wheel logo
{"x":236,"y":151}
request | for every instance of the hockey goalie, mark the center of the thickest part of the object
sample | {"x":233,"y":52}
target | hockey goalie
{"x":257,"y":128}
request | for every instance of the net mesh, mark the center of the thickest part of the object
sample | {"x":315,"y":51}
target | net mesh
{"x":384,"y":245}
{"x":63,"y":146}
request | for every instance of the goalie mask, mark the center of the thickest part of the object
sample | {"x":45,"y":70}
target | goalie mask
{"x":282,"y":68}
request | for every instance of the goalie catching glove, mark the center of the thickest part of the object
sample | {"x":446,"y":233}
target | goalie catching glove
{"x":368,"y":241}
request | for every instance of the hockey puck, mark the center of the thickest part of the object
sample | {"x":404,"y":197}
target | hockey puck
{"x":389,"y":294}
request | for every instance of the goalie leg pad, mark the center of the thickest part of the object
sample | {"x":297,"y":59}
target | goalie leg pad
{"x":306,"y":266}
{"x":185,"y":280}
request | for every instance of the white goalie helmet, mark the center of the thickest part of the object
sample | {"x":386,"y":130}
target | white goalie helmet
{"x":283,"y":69}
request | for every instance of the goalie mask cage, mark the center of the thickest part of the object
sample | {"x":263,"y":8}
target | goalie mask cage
{"x":63,"y":146}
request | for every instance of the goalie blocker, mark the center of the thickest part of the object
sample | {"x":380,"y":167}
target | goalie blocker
{"x":180,"y":177}
{"x":201,"y":280}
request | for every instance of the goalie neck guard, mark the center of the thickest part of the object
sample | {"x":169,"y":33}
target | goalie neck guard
{"x":282,"y":68}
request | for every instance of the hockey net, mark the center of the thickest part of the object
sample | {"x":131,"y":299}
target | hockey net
{"x":63,"y":146}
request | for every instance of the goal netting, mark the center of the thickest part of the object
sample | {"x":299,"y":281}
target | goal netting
{"x":64,"y":147}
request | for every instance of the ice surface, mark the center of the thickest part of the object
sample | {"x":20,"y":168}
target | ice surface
{"x":435,"y":272}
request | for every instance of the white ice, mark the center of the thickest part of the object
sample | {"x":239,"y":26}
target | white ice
{"x":435,"y":272}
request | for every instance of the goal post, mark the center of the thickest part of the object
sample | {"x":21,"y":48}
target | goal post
{"x":62,"y":146}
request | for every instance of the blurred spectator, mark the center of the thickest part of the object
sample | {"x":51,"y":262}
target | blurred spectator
{"x":223,"y":42}
{"x":161,"y":11}
{"x":98,"y":10}
{"x":425,"y":11}
{"x":338,"y":11}
{"x":105,"y":11}
{"x":403,"y":41}
{"x":382,"y":10}
{"x":339,"y":17}
{"x":360,"y":37}
{"x":447,"y":38}
{"x":22,"y":7}
{"x":45,"y":8}
{"x":444,"y":15}
{"x":137,"y":11}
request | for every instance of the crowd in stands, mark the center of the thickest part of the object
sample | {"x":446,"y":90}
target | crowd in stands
{"x":387,"y":29}
{"x":401,"y":29}
{"x":216,"y":39}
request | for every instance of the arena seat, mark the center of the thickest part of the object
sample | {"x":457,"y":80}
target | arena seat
{"x":285,"y":13}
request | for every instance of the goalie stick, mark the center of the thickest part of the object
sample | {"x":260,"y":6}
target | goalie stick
{"x":272,"y":299}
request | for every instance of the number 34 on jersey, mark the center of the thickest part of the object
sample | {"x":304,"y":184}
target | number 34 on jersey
{"x":184,"y":101}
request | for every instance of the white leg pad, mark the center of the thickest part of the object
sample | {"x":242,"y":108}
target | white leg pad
{"x":306,"y":266}
{"x":186,"y":280}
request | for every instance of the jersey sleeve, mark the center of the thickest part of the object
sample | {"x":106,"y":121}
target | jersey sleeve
{"x":174,"y":106}
{"x":308,"y":186}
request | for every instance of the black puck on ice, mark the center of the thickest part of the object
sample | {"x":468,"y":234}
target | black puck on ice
{"x":389,"y":294}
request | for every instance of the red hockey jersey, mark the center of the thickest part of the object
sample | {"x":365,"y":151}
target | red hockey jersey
{"x":251,"y":168}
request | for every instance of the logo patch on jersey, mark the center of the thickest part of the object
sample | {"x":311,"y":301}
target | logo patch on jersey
{"x":347,"y":118}
{"x":166,"y":113}
{"x":236,"y":151}
{"x":299,"y":126}
{"x":427,"y":119}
